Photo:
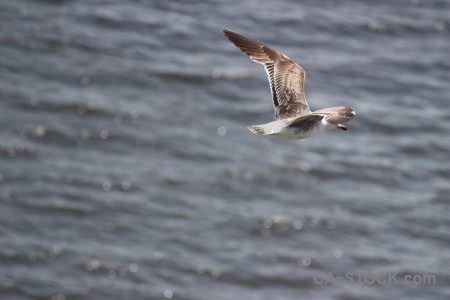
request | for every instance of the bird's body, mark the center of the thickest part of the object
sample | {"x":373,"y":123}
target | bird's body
{"x":284,"y":129}
{"x":294,"y":118}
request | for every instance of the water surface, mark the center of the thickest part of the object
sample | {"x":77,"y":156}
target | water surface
{"x":127,"y":171}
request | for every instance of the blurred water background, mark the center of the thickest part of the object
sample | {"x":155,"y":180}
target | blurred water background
{"x":127,"y":171}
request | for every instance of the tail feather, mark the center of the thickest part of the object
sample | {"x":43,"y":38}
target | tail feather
{"x":258,"y":130}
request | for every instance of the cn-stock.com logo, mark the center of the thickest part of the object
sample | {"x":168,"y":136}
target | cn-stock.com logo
{"x":372,"y":278}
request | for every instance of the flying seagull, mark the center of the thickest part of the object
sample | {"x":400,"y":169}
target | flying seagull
{"x":294,"y":119}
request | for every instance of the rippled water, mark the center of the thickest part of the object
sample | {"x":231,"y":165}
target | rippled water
{"x":127,"y":171}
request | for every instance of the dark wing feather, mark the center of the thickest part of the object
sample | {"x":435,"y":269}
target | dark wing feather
{"x":306,"y":122}
{"x":285,"y":76}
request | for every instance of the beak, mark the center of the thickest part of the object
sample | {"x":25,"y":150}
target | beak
{"x":340,"y":126}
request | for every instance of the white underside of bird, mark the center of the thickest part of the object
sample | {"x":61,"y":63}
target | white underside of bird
{"x":282,"y":129}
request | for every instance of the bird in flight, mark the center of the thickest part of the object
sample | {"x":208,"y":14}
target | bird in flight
{"x":294,"y":119}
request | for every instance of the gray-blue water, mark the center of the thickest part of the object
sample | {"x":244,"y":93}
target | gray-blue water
{"x":127,"y":171}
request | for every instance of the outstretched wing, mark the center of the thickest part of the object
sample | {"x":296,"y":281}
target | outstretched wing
{"x":336,"y":115}
{"x":285,"y":76}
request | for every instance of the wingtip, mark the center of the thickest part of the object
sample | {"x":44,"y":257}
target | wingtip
{"x":227,"y":32}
